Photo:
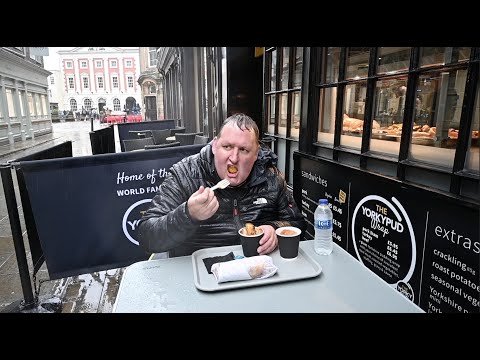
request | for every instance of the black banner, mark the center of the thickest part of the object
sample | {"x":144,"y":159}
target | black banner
{"x":125,"y":128}
{"x":62,"y":150}
{"x":423,"y":243}
{"x":86,"y":208}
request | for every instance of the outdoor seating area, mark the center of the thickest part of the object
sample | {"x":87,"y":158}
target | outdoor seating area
{"x":149,"y":139}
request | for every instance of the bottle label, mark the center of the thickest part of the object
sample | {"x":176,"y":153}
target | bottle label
{"x":323,"y":224}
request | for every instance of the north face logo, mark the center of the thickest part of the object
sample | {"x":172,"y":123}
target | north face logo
{"x":260,"y":201}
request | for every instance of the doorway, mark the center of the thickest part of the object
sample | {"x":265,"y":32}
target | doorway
{"x":150,"y":108}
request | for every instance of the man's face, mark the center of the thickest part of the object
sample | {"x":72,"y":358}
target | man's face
{"x":235,"y":153}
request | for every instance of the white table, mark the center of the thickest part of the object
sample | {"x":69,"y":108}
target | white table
{"x":344,"y":286}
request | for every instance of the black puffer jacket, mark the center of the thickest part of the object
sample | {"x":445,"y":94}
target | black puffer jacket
{"x":262,"y":200}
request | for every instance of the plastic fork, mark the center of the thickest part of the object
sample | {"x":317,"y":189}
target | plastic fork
{"x":221,"y":184}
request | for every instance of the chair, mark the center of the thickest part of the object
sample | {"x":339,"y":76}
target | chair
{"x":186,"y":138}
{"x":140,"y":134}
{"x":137,"y":144}
{"x":160,"y":136}
{"x":200,"y":139}
{"x":177,"y":130}
{"x":160,"y":146}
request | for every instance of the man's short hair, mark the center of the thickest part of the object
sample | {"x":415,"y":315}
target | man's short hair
{"x":242,"y":121}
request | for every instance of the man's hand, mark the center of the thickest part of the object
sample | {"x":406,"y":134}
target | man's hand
{"x":203,"y":204}
{"x":269,"y":241}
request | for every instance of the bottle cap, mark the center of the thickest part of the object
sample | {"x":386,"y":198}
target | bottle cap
{"x":323,"y":201}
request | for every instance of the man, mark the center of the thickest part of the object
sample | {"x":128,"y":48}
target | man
{"x":186,"y":215}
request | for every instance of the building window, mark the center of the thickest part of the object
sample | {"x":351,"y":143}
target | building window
{"x":71,"y":84}
{"x":98,"y":64}
{"x":152,"y":89}
{"x":284,"y":66}
{"x":130,"y":82}
{"x":83,"y":64}
{"x":85,"y":82}
{"x":73,"y":105}
{"x":52,"y":80}
{"x":408,"y":109}
{"x":100,"y":82}
{"x":68,"y":65}
{"x":115,"y":82}
{"x":87,"y":103}
{"x":11,"y":108}
{"x":128,"y":63}
{"x":116,"y":105}
{"x":152,"y":56}
{"x":113,"y":63}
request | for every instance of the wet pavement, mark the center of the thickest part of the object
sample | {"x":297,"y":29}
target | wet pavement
{"x":86,"y":293}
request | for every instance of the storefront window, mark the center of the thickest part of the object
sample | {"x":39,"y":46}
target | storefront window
{"x":326,"y":121}
{"x":295,"y":126}
{"x":430,"y":56}
{"x":357,"y":62}
{"x":332,"y":64}
{"x":388,"y":109}
{"x":437,"y":116}
{"x":353,"y":114}
{"x":473,"y":156}
{"x":284,"y":74}
{"x":298,"y":67}
{"x":271,"y":114}
{"x":273,"y":70}
{"x":391,"y":59}
{"x":282,"y":126}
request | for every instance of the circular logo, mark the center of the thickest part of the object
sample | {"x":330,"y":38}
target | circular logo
{"x":383,"y":239}
{"x":132,"y":217}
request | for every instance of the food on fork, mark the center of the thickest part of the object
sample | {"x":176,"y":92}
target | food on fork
{"x":232,"y":169}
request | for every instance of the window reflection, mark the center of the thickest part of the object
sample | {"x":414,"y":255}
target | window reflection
{"x":273,"y":67}
{"x":430,"y":56}
{"x":295,"y":126}
{"x":357,"y":62}
{"x":353,"y":114}
{"x":282,"y":125}
{"x":393,"y":59}
{"x":472,"y":160}
{"x":297,"y":71}
{"x":388,"y":109}
{"x":285,"y":62}
{"x":271,"y":114}
{"x":332,"y":61}
{"x":326,"y":121}
{"x":437,"y":116}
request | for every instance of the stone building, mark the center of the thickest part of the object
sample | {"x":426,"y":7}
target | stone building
{"x":24,"y":106}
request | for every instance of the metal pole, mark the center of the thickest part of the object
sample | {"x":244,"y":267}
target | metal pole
{"x":91,"y":122}
{"x":9,"y":190}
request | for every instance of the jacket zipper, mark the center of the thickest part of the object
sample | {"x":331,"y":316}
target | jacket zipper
{"x":236,"y":215}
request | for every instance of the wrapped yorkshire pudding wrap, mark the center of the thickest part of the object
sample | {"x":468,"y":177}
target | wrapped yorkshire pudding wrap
{"x":254,"y":267}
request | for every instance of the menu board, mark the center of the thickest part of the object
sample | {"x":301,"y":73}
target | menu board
{"x":422,"y":243}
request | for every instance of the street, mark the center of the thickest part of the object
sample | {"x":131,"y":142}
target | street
{"x":84,"y":293}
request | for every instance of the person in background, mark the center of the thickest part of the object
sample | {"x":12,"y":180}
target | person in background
{"x":186,"y":215}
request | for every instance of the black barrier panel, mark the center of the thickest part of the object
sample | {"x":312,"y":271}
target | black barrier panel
{"x":87,"y":208}
{"x":63,"y":150}
{"x":102,"y":140}
{"x":424,"y":243}
{"x":124,"y":128}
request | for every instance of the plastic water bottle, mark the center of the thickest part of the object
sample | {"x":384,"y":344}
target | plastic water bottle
{"x":323,"y":217}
